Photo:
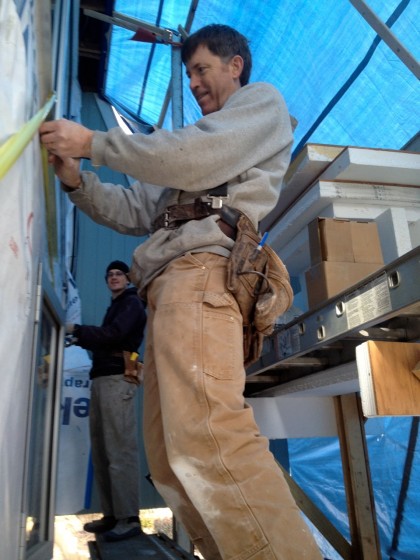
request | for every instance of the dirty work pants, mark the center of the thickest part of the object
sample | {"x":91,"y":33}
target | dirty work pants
{"x":113,"y":434}
{"x":205,"y":453}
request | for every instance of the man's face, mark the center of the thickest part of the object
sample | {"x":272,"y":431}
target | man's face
{"x":117,"y":281}
{"x":213,"y":81}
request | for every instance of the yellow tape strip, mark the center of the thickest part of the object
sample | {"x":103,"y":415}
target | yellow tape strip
{"x":11,"y":150}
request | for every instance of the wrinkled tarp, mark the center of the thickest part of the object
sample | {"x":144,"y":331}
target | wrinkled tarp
{"x":394,"y":457}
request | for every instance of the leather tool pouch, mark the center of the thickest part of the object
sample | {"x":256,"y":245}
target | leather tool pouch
{"x":133,"y":368}
{"x":260,"y":283}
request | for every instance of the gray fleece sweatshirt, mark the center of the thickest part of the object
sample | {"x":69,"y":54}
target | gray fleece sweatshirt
{"x":247,"y":144}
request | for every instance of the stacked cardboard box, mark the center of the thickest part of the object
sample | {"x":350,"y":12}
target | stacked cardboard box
{"x":343,"y":252}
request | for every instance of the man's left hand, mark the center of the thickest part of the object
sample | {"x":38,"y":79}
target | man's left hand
{"x":67,"y":170}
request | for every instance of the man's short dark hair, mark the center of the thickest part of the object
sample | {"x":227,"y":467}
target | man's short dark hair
{"x":223,"y":41}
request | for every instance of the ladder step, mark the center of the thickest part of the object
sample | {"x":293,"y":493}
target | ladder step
{"x":141,"y":547}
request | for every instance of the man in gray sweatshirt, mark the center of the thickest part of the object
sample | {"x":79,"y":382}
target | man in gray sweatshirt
{"x":205,"y":453}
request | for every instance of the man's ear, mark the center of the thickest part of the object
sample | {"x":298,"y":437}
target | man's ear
{"x":237,"y":65}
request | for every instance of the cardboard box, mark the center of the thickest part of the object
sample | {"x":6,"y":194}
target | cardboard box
{"x":326,"y":279}
{"x":366,"y":242}
{"x":340,"y":240}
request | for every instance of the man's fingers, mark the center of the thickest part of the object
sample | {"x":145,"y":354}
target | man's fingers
{"x":51,"y":131}
{"x":46,"y":138}
{"x":47,"y":128}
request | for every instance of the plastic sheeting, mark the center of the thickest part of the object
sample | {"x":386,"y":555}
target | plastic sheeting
{"x":22,"y":242}
{"x":343,"y":84}
{"x":74,"y":475}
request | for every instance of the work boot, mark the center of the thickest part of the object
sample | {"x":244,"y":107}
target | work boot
{"x":124,"y":529}
{"x":102,"y":525}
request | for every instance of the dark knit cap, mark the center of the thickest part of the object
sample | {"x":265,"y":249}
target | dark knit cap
{"x":118,"y":265}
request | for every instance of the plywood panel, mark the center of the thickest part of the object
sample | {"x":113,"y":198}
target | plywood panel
{"x":388,"y":385}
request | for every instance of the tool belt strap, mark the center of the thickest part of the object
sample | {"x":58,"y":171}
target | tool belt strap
{"x":178,"y":214}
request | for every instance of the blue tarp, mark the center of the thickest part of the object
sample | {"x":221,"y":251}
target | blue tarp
{"x":394,"y":457}
{"x":343,"y":84}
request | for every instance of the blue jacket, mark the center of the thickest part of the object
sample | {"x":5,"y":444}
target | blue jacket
{"x":122,"y":329}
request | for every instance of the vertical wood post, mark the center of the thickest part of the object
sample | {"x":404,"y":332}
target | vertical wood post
{"x":357,"y":480}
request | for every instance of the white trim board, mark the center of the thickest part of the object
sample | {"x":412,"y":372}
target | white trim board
{"x":294,"y":417}
{"x":303,"y":171}
{"x":350,"y":195}
{"x":330,"y":162}
{"x":369,"y":165}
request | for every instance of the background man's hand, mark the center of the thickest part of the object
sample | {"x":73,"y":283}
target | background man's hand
{"x":66,"y":139}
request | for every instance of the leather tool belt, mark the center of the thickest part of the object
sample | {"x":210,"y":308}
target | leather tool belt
{"x":178,"y":214}
{"x":133,"y":368}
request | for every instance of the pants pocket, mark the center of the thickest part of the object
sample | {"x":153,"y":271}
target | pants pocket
{"x":222,"y":336}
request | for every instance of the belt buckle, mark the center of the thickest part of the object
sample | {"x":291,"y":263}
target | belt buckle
{"x":217,"y":201}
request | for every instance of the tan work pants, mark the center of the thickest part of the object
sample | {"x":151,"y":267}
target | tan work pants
{"x":206,"y":455}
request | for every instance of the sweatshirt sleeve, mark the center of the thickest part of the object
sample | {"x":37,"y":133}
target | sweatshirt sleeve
{"x":253,"y":125}
{"x":127,"y":210}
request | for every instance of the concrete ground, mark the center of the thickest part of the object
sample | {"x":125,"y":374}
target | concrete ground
{"x":71,"y":541}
